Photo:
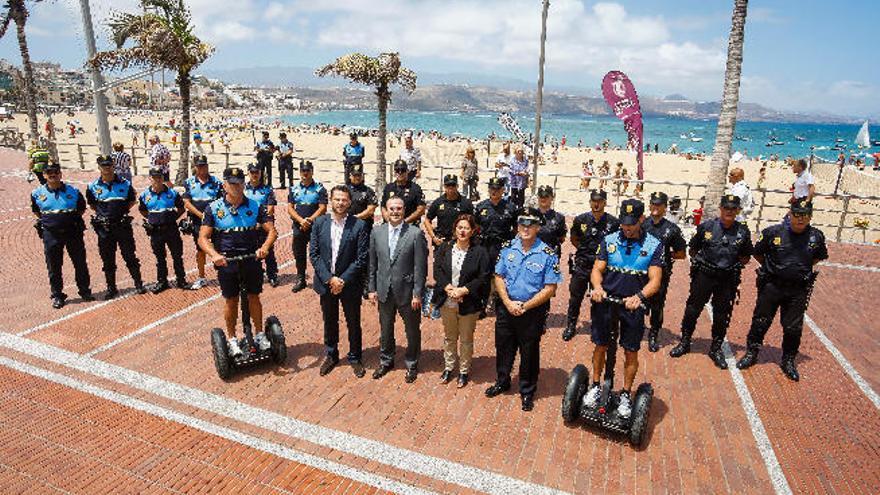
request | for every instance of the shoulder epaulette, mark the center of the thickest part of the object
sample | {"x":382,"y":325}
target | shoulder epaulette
{"x":549,"y":250}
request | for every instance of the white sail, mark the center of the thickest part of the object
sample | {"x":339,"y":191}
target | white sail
{"x":863,"y":139}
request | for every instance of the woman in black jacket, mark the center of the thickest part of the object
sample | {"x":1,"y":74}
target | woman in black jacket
{"x":461,"y":272}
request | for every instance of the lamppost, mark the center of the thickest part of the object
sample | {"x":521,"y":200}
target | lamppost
{"x":539,"y":97}
{"x":97,"y":81}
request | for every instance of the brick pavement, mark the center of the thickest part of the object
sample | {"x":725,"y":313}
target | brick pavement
{"x":823,"y":430}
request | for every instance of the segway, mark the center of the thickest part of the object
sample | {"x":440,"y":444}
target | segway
{"x":604,"y":414}
{"x":251,"y":353}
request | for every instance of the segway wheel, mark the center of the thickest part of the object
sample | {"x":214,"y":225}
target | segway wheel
{"x":574,"y":393}
{"x":276,"y":337}
{"x":222,"y":361}
{"x":640,"y":411}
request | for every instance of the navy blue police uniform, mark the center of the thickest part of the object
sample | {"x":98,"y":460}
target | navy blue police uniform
{"x":112,"y":224}
{"x":352,"y":155}
{"x":162,"y":209}
{"x":497,"y":221}
{"x":785,"y":281}
{"x":285,"y":164}
{"x":201,"y":194}
{"x":446,"y":210}
{"x":525,"y":273}
{"x":265,"y":196}
{"x":716,"y":269}
{"x":265,"y":149}
{"x":306,"y":199}
{"x":238,"y":230}
{"x":410,"y":192}
{"x":553,"y":231}
{"x":589,"y":232}
{"x":61,"y":226}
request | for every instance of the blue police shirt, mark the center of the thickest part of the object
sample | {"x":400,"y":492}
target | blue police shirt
{"x":110,"y":200}
{"x":201,"y":194}
{"x":526,"y":273}
{"x":58,"y":208}
{"x":161,"y":207}
{"x":307,"y":198}
{"x":352,"y":151}
{"x":628,"y":261}
{"x":262,"y":194}
{"x":236,"y":229}
{"x":284,"y":147}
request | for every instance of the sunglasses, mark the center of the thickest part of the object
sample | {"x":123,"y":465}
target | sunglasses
{"x":528,"y":223}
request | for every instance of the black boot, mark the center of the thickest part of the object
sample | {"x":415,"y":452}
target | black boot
{"x":653,"y":345}
{"x":138,"y":283}
{"x":750,"y":358}
{"x":570,"y":330}
{"x":299,"y":284}
{"x":112,"y":292}
{"x":683,"y":347}
{"x":789,"y":369}
{"x":717,"y":355}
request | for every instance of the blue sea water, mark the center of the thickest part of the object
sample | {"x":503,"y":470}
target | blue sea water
{"x":751,"y":137}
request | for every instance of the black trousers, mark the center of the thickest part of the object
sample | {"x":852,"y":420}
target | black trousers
{"x":658,"y":302}
{"x":54,"y":244}
{"x":577,"y":289}
{"x":518,"y":197}
{"x":300,"y":250}
{"x":266,"y":168}
{"x":351,"y":308}
{"x":470,"y":189}
{"x":791,"y":301}
{"x":271,"y":260}
{"x":120,"y":235}
{"x":412,"y":319}
{"x":285,"y":172}
{"x":168,"y":238}
{"x":721,"y":289}
{"x":521,"y":333}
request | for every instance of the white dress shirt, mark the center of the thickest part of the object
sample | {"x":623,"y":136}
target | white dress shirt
{"x":741,"y":189}
{"x":336,"y":228}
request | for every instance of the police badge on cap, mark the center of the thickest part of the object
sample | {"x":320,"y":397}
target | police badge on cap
{"x":496,"y":183}
{"x":450,"y":180}
{"x":730,"y":201}
{"x":105,"y":161}
{"x":545,"y":192}
{"x":530,"y":216}
{"x":233,"y":175}
{"x":598,"y":195}
{"x":631,"y":211}
{"x":802,"y":207}
{"x":659,"y":198}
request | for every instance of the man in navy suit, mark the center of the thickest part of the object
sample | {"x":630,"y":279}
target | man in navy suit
{"x":339,"y":250}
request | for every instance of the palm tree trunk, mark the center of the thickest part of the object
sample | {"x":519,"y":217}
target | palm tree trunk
{"x":29,"y":88}
{"x":183,"y":81}
{"x":384,"y":95}
{"x":727,"y":118}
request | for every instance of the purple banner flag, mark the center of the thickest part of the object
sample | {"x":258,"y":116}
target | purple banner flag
{"x":621,"y":96}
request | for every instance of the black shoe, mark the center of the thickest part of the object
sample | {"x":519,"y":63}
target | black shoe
{"x":358,"y":369}
{"x":570,"y":330}
{"x":58,"y":302}
{"x":653,"y":345}
{"x":182,"y":285}
{"x":446,"y":376}
{"x":749,"y":359}
{"x":411,"y":375}
{"x":160,"y":286}
{"x":328,"y":365}
{"x":682,"y":348}
{"x":300,"y":283}
{"x":139,"y":288}
{"x":482,"y":315}
{"x":497,"y":389}
{"x":717,"y":357}
{"x":87,"y":297}
{"x":112,"y":292}
{"x":789,"y":369}
{"x":462,"y":380}
{"x":273,"y":281}
{"x":382,"y":370}
{"x":528,"y":403}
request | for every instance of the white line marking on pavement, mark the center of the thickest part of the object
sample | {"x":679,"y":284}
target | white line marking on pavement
{"x":217,"y":430}
{"x":19,"y":219}
{"x":403,"y":459}
{"x":774,"y":469}
{"x":863,"y":268}
{"x":843,"y":362}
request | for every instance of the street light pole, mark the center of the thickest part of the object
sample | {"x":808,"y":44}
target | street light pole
{"x":97,"y":80}
{"x":539,"y":97}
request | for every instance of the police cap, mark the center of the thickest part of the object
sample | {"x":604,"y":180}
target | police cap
{"x":253,"y":167}
{"x":631,"y":211}
{"x":400,"y":166}
{"x":497,"y":183}
{"x":730,"y":201}
{"x":306,"y":166}
{"x":233,"y":175}
{"x":659,"y":198}
{"x":353,"y":135}
{"x":357,"y":169}
{"x":105,"y":161}
{"x":545,"y":191}
{"x":598,"y":195}
{"x":530,"y":216}
{"x":450,"y":180}
{"x":201,"y":160}
{"x":156,"y":172}
{"x":802,"y":207}
{"x":52,"y":167}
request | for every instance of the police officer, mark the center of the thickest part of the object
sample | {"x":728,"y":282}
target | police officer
{"x":787,"y":254}
{"x":526,"y":276}
{"x":305,"y":203}
{"x":352,"y":154}
{"x":285,"y":151}
{"x":265,"y":149}
{"x":446,"y":209}
{"x":496,"y":217}
{"x":553,"y":230}
{"x":236,"y":225}
{"x":587,"y":232}
{"x":264,"y":195}
{"x":111,"y":198}
{"x":673,"y":249}
{"x":719,"y":250}
{"x":627,"y":267}
{"x":363,"y":204}
{"x":161,"y":206}
{"x":404,"y":187}
{"x":59,"y":208}
{"x":199,"y":191}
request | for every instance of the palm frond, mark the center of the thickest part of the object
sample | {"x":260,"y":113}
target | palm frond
{"x":378,"y":71}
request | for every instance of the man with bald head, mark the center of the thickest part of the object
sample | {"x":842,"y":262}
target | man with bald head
{"x":738,"y":187}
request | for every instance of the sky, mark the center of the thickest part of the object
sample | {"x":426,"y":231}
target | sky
{"x":799,"y":55}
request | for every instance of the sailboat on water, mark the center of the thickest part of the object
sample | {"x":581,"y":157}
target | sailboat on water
{"x":863,"y":138}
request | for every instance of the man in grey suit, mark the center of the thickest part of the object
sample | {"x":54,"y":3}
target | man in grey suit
{"x":398,"y":267}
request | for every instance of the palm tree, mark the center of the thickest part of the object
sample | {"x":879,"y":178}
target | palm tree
{"x":164,"y":38}
{"x":379,"y":72}
{"x":727,"y":118}
{"x":15,"y":10}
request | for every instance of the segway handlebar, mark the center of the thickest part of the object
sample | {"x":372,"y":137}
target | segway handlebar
{"x":621,"y":301}
{"x":241,"y":257}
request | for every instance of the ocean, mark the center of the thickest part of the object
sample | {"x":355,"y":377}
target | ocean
{"x":697,"y":136}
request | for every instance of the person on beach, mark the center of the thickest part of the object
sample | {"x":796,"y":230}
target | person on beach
{"x":412,"y":156}
{"x":284,"y":152}
{"x":160,"y":158}
{"x":352,"y":153}
{"x":624,"y":176}
{"x":265,"y":149}
{"x":586,"y":174}
{"x":604,"y":171}
{"x":121,"y":161}
{"x":469,"y":174}
{"x":738,"y":187}
{"x":502,"y":165}
{"x":519,"y":176}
